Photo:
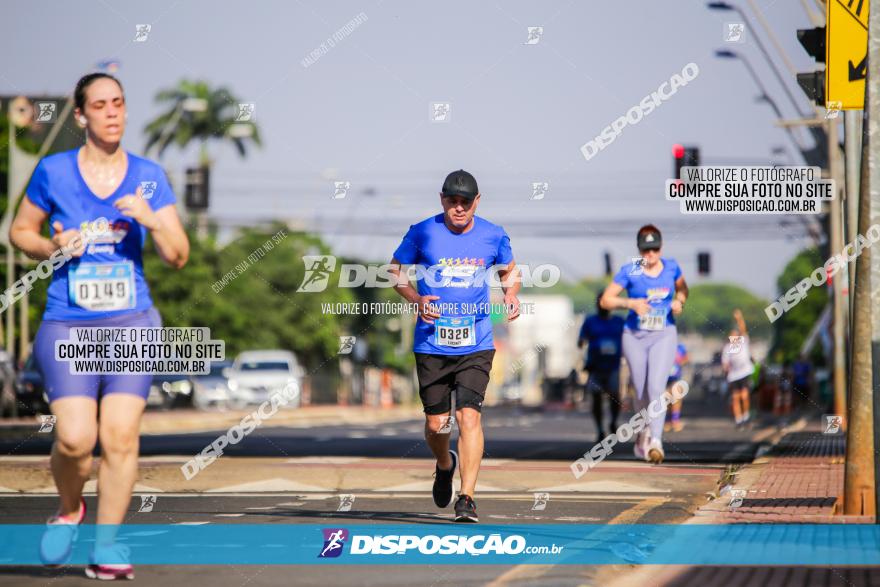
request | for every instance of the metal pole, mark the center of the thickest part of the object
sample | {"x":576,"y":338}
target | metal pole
{"x":10,"y":257}
{"x":24,"y":337}
{"x":835,"y":229}
{"x":859,"y":495}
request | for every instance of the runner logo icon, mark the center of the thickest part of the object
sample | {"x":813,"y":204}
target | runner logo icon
{"x":334,"y":540}
{"x":318,"y":270}
{"x":148,"y":188}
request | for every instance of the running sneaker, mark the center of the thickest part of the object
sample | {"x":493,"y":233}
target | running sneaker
{"x":114,"y":563}
{"x":61,"y":532}
{"x":655,"y":451}
{"x":443,"y":490}
{"x":466,"y":509}
{"x":639,"y":445}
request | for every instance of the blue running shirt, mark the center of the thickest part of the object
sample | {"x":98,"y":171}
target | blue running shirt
{"x":455,"y":270}
{"x":658,"y":290}
{"x":604,"y":337}
{"x":108,"y":280}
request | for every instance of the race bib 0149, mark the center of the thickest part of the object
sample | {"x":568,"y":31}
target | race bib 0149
{"x":102,"y":286}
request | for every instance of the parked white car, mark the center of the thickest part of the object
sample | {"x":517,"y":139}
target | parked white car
{"x":255,"y":375}
{"x":211,"y":390}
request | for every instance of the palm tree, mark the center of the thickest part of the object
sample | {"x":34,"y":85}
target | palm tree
{"x":197,"y":112}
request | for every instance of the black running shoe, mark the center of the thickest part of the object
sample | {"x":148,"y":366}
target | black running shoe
{"x":466,"y":509}
{"x":443,"y":482}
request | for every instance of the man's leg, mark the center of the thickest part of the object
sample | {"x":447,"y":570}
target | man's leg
{"x":613,"y":392}
{"x":438,"y":443}
{"x":470,"y":447}
{"x":434,"y":392}
{"x":597,"y":402}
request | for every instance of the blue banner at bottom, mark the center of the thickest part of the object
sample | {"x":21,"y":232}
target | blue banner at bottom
{"x":311,"y":544}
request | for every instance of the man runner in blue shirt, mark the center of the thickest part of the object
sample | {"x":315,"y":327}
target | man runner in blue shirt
{"x":453,"y":254}
{"x":603,"y":332}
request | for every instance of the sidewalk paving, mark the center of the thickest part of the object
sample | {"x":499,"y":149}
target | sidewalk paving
{"x":798,"y":481}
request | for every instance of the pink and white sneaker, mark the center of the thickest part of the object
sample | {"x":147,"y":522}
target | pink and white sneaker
{"x":110,"y":563}
{"x":655,"y":451}
{"x":640,"y":445}
{"x":61,"y":532}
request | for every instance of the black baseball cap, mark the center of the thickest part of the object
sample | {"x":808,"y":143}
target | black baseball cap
{"x":460,"y":183}
{"x":649,"y":240}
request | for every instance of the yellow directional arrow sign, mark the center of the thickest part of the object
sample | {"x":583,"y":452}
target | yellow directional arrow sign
{"x":846,"y":41}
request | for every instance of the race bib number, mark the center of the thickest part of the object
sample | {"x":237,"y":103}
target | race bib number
{"x":653,"y":320}
{"x":102,"y":286}
{"x":455,"y":332}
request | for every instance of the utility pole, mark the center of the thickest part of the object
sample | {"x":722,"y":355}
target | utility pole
{"x":871,"y":169}
{"x":860,"y":496}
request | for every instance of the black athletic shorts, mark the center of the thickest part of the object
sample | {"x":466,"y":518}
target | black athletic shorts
{"x":440,"y":374}
{"x":740,"y":383}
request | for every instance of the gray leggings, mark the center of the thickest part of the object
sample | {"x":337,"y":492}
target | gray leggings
{"x":650,"y":355}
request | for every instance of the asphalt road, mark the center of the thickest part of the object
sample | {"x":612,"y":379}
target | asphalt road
{"x":297,"y":509}
{"x":510,"y":434}
{"x":386,"y":467}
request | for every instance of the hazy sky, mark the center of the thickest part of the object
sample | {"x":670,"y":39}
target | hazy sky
{"x":519,"y":114}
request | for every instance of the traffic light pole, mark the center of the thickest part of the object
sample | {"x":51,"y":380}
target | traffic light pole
{"x":860,"y":497}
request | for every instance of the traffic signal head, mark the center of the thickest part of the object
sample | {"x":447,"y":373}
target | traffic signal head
{"x":197,"y":188}
{"x":813,"y":40}
{"x":703,"y":263}
{"x":684,"y":157}
{"x":813,"y":82}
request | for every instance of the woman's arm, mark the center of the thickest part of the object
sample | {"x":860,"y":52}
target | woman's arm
{"x":172,"y":245}
{"x":681,"y":290}
{"x":611,"y":298}
{"x":25,"y":233}
{"x":164,"y":226}
{"x":740,"y":322}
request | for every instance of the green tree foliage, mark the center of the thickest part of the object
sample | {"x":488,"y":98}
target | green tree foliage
{"x":792,"y":328}
{"x":258,"y":306}
{"x":217,"y":121}
{"x":709,"y":311}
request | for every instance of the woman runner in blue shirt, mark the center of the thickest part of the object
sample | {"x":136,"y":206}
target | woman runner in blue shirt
{"x":656,"y":292}
{"x":99,"y":201}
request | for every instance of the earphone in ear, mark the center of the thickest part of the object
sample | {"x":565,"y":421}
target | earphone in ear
{"x":82,"y":120}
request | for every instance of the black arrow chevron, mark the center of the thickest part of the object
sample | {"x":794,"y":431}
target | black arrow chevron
{"x":860,"y":71}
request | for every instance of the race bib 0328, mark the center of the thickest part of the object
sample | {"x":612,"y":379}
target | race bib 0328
{"x":455,"y":332}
